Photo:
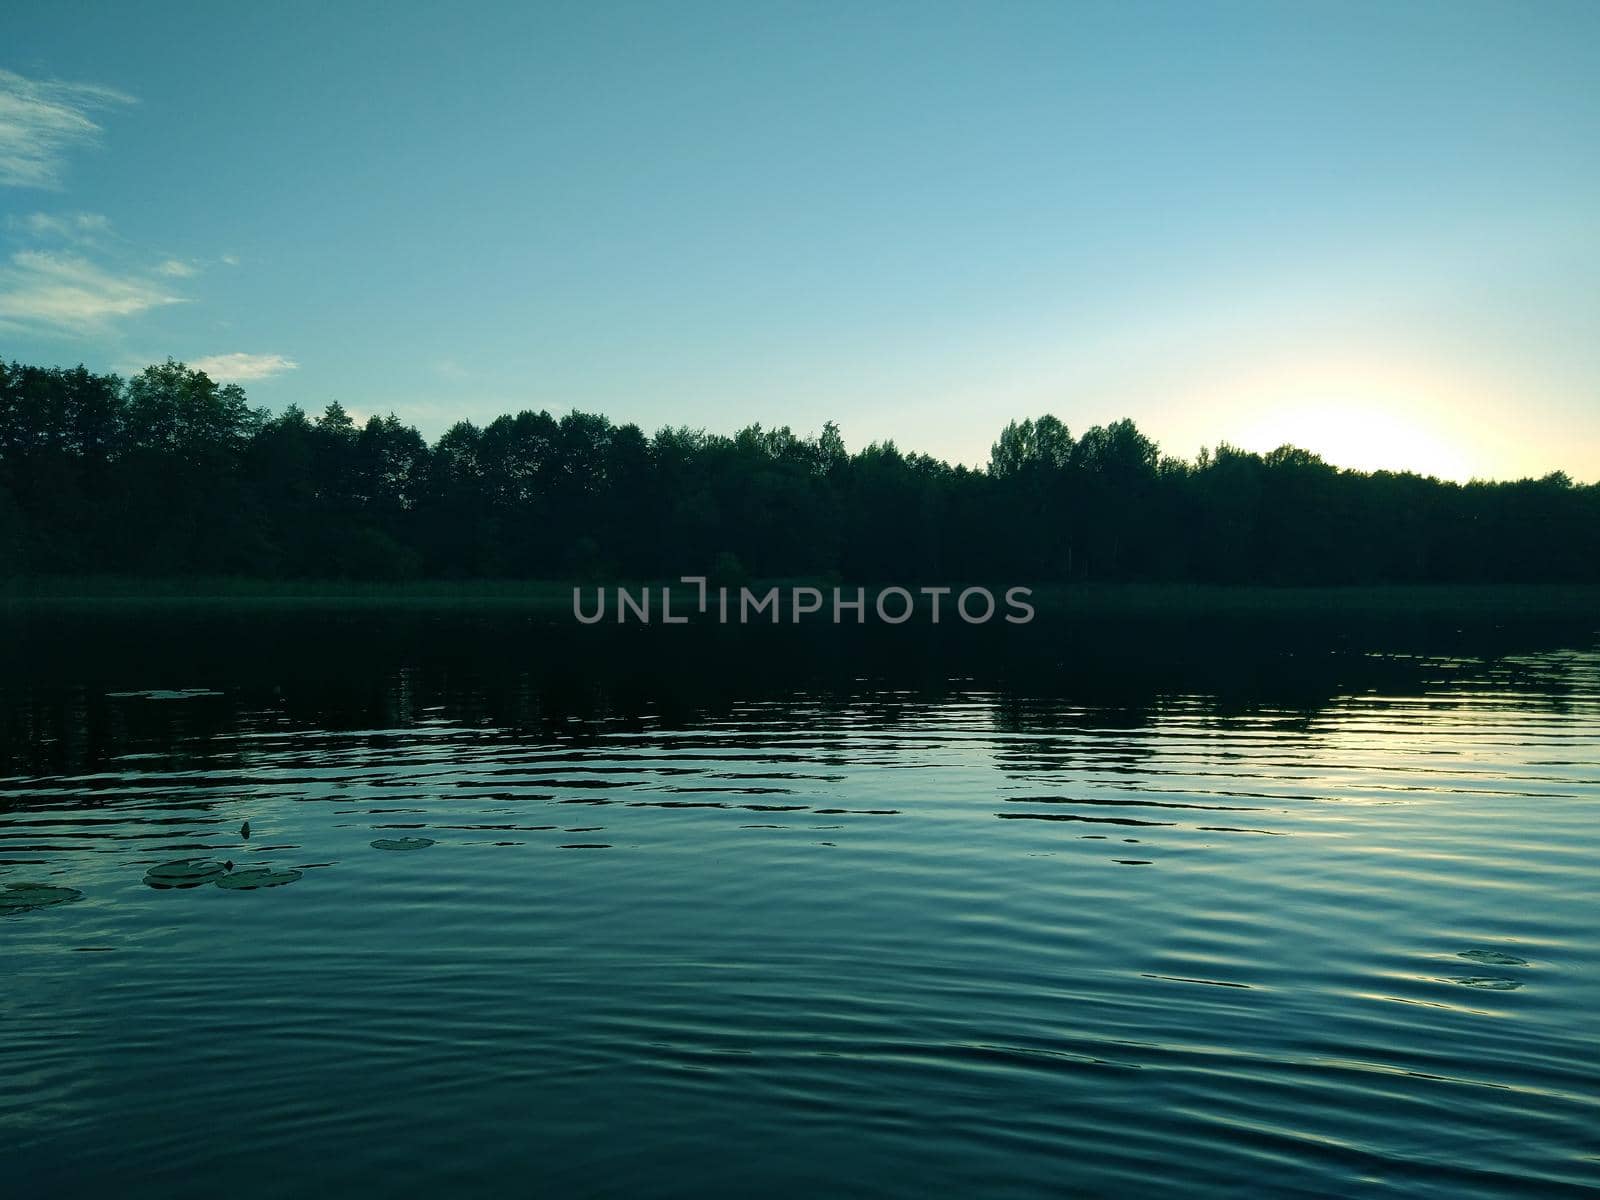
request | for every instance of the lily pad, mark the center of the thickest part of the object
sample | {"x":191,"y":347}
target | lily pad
{"x":1490,"y":983}
{"x":185,"y":873}
{"x":164,"y":694}
{"x":1493,"y":956}
{"x":23,"y":897}
{"x":251,"y":878}
{"x":402,"y":843}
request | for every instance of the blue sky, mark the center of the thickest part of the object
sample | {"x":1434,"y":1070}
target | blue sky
{"x":1370,"y":229}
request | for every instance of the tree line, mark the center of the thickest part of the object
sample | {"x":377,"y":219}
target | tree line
{"x":172,"y":473}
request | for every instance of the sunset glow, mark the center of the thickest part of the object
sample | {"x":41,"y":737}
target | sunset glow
{"x":1363,"y":434}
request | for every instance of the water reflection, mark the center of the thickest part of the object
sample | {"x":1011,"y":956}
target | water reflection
{"x":1323,"y":918}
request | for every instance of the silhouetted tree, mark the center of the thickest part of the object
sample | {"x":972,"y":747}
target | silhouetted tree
{"x":170,"y":471}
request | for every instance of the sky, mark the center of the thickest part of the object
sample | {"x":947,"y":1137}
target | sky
{"x":1372,"y":230}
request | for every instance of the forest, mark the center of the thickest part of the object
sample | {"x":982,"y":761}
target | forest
{"x":170,"y":473}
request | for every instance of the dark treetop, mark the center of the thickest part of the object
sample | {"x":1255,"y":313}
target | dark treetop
{"x":171,"y":473}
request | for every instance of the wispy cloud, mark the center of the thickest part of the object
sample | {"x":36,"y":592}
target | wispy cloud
{"x":41,"y":120}
{"x":68,"y":292}
{"x":67,"y":227}
{"x":176,"y":268}
{"x":243,"y":368}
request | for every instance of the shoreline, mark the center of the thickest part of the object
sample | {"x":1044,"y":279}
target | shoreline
{"x":553,"y":599}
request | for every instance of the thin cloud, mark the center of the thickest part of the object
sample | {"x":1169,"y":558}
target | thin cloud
{"x":68,"y":292}
{"x":41,"y":120}
{"x":243,"y":368}
{"x":176,"y":268}
{"x":67,"y":227}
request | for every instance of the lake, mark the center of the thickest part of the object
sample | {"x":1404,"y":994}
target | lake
{"x":526,"y":909}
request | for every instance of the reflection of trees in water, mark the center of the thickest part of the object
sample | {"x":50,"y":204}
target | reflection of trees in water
{"x":59,"y":711}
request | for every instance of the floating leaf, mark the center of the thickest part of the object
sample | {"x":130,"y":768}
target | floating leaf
{"x":164,"y":694}
{"x":1494,"y":957}
{"x":402,"y":843}
{"x":1490,"y":983}
{"x":22,"y":897}
{"x":184,"y":873}
{"x":251,"y":878}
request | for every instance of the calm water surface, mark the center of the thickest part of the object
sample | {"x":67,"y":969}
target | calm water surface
{"x":843,"y":936}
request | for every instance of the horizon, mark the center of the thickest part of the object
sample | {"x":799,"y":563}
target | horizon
{"x":360,"y":419}
{"x":1364,"y":231}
